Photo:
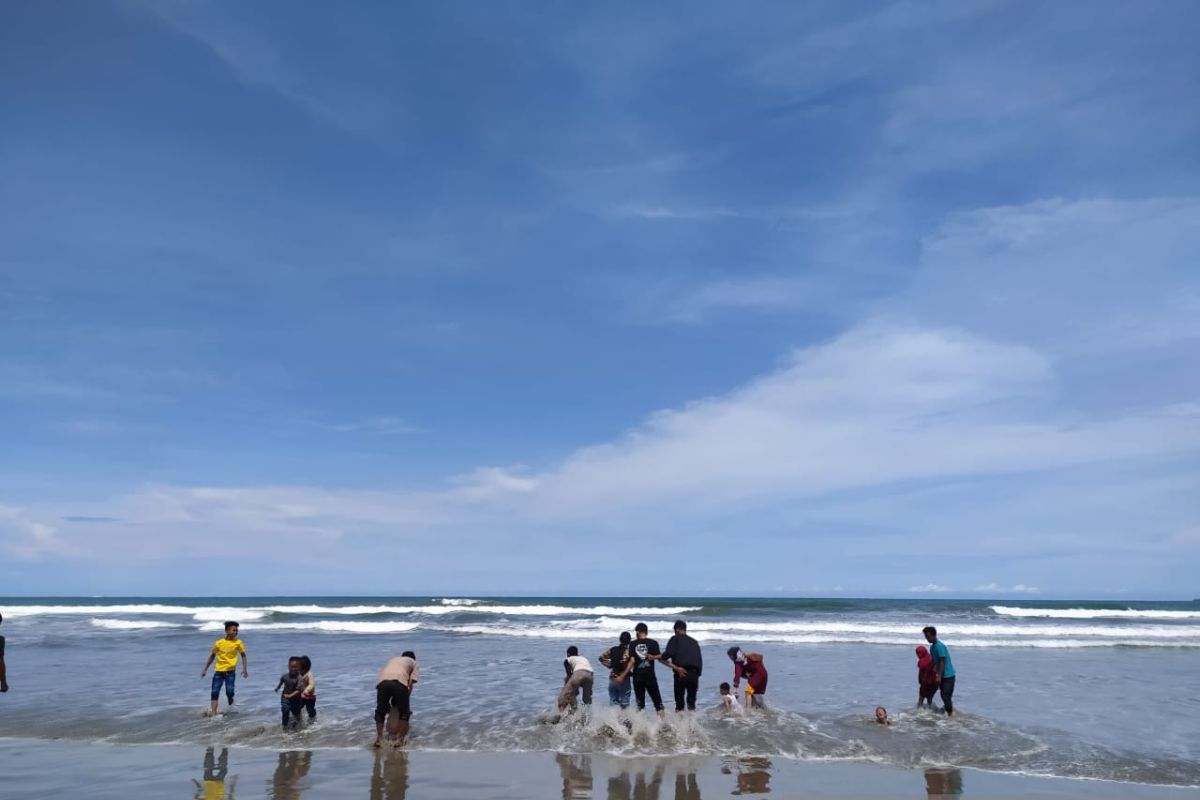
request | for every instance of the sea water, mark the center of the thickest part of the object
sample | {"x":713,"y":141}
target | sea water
{"x":1105,"y":691}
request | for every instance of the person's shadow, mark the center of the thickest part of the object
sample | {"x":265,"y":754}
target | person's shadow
{"x":215,"y":771}
{"x":389,"y":778}
{"x":686,"y":787}
{"x":943,"y":782}
{"x":289,"y":773}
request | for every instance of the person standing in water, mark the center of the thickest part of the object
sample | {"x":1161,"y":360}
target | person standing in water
{"x":642,"y":656}
{"x":225,"y":652}
{"x":926,"y":677}
{"x":3,"y":669}
{"x":683,"y":657}
{"x":617,"y":660}
{"x":942,"y":667}
{"x":393,"y":689}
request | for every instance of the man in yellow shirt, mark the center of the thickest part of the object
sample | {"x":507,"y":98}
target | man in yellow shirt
{"x":225,"y":652}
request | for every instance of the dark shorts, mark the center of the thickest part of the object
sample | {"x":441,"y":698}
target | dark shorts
{"x":928,"y":690}
{"x":389,"y":695}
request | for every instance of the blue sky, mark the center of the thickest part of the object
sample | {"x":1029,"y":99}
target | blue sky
{"x":890,"y":299}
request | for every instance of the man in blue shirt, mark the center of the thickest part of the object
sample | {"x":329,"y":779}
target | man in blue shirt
{"x":942,"y":666}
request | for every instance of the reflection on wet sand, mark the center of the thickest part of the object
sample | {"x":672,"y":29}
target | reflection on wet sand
{"x":943,"y":782}
{"x":293,"y":766}
{"x":215,"y":771}
{"x":753,"y":775}
{"x":389,"y":778}
{"x":635,"y":786}
{"x":576,"y":771}
{"x":686,"y":787}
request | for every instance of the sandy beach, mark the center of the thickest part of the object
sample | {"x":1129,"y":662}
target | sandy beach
{"x":52,"y":769}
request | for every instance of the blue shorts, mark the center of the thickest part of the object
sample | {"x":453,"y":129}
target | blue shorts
{"x":227,"y":678}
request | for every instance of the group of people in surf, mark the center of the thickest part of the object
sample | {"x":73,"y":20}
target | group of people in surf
{"x":631,"y":663}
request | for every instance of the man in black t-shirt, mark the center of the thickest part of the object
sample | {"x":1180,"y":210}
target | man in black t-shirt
{"x":683,"y":657}
{"x":642,"y":656}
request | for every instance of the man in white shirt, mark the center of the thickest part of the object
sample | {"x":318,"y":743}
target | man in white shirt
{"x":579,"y":677}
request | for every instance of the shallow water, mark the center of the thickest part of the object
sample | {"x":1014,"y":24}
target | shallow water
{"x":1088,"y":692}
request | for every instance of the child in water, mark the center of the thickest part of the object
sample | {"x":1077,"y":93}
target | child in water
{"x":926,"y":677}
{"x":881,"y":716}
{"x":289,"y":701}
{"x":729,"y":702}
{"x":308,"y":687}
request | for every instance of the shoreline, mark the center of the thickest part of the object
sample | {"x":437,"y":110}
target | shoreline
{"x":53,"y":768}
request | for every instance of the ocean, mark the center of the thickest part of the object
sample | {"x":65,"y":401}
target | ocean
{"x":1081,"y":690}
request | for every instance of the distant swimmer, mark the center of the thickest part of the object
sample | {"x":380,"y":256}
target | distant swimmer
{"x":617,"y":660}
{"x":225,"y":651}
{"x":683,"y":657}
{"x":751,"y":667}
{"x":942,"y":666}
{"x":641,"y":669}
{"x":393,"y":690}
{"x":579,"y":678}
{"x":926,"y":677}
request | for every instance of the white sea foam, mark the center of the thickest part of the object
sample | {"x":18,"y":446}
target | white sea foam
{"x":253,"y":612}
{"x":325,"y":626}
{"x":442,"y":610}
{"x":133,"y":624}
{"x":734,"y":635}
{"x":736,"y":627}
{"x":1094,"y":613}
{"x":458,"y":601}
{"x":198,"y":613}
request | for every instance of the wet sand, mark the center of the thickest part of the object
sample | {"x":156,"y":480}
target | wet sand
{"x":54,"y":769}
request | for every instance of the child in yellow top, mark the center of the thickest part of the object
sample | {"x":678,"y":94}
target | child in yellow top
{"x":225,"y":652}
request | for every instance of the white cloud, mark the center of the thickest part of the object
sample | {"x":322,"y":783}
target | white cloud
{"x":25,"y":539}
{"x":1019,"y":588}
{"x":386,"y":426}
{"x":870,"y":409}
{"x":1073,"y":277}
{"x":755,"y":293}
{"x":929,"y":588}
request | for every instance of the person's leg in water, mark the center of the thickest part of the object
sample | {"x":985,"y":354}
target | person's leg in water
{"x":680,"y":690}
{"x":693,"y":686}
{"x":947,"y":692}
{"x":285,"y":709}
{"x":218,"y":679}
{"x":655,"y":695}
{"x":310,"y":705}
{"x":639,"y":694}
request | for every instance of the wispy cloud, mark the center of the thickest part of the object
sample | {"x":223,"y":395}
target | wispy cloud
{"x":25,"y":539}
{"x":257,"y":60}
{"x":384,"y":426}
{"x":996,"y":588}
{"x":929,"y":588}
